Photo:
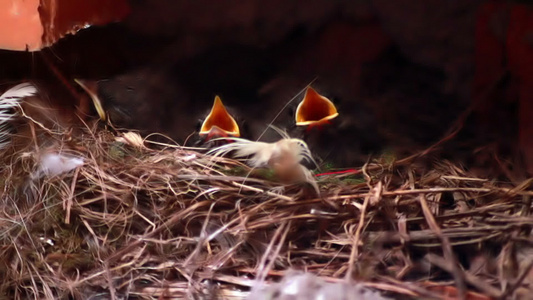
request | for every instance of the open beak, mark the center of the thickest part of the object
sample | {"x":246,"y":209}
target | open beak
{"x":315,"y":109}
{"x":90,"y":89}
{"x":219,"y":122}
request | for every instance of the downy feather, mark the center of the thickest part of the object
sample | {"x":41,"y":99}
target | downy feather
{"x":259,"y":152}
{"x":262,"y":153}
{"x":283,"y":156}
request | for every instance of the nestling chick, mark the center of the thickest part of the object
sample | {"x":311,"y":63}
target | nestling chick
{"x":284,"y":157}
{"x":340,"y":133}
{"x":218,"y":127}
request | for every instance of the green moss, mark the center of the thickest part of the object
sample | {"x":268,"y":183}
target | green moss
{"x":387,"y":157}
{"x":116,"y":151}
{"x":353,"y":179}
{"x":263,"y":173}
{"x":327,"y":167}
{"x":236,"y":171}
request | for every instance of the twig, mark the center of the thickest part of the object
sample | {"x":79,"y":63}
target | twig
{"x":355,"y":244}
{"x":513,"y":286}
{"x":282,"y":231}
{"x":67,"y":205}
{"x":446,"y":248}
{"x":471,"y":279}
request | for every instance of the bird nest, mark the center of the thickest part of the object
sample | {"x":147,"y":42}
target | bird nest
{"x":142,"y":220}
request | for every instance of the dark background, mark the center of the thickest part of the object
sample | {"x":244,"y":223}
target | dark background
{"x":402,"y":73}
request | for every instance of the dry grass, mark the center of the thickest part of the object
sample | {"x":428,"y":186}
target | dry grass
{"x":164,"y":222}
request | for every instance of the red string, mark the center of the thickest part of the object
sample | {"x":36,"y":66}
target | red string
{"x":353,"y":171}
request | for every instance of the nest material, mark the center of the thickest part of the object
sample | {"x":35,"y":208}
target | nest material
{"x":169,"y":222}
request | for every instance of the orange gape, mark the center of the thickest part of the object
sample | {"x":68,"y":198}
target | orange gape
{"x":219,"y":123}
{"x":315,"y":110}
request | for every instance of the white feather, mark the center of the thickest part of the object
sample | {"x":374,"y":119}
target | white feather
{"x":297,"y":285}
{"x":19,"y":91}
{"x":262,"y":154}
{"x":53,"y":164}
{"x":282,"y":156}
{"x":243,"y":148}
{"x":8,"y":101}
